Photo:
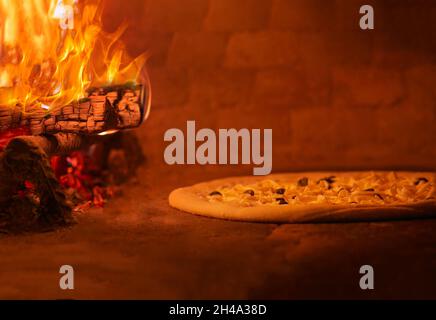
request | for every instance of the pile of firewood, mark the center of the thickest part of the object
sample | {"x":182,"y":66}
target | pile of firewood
{"x":30,"y":192}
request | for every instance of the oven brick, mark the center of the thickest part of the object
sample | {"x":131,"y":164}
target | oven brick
{"x":174,"y":15}
{"x":313,"y":52}
{"x":222,"y":88}
{"x":420,"y":86}
{"x":346,"y":14}
{"x":155,"y":44}
{"x":309,"y":50}
{"x":152,"y":132}
{"x":258,"y":116}
{"x":390,"y":50}
{"x":240,"y":15}
{"x":262,"y":49}
{"x":197,"y":50}
{"x":169,"y":86}
{"x":303,"y":15}
{"x":419,"y":15}
{"x":351,"y":47}
{"x":367,"y":87}
{"x":115,"y":12}
{"x":292,"y":88}
{"x":200,"y":112}
{"x":408,"y":137}
{"x":333,"y":137}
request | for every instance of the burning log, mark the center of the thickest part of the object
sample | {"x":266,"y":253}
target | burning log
{"x":59,"y":143}
{"x":109,"y":108}
{"x":43,"y":122}
{"x":26,"y":163}
{"x":25,"y":160}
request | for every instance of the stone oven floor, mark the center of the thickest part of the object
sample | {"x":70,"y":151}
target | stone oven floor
{"x":140,"y":248}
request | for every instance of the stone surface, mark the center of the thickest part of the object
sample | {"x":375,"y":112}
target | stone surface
{"x":283,"y":57}
{"x":197,"y":50}
{"x":303,"y":15}
{"x":138,"y":247}
{"x":261,"y":50}
{"x":209,"y":55}
{"x":241,"y":15}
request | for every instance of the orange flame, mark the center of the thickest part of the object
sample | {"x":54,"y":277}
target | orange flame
{"x":45,"y":61}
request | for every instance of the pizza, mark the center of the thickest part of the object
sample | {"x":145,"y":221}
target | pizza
{"x":312,"y":197}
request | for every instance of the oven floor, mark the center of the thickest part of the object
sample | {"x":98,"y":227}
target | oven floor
{"x":140,"y":248}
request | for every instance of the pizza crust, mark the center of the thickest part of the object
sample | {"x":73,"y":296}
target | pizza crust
{"x":187,"y":199}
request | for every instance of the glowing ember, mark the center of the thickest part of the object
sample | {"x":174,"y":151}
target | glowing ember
{"x":6,"y":136}
{"x":43,"y":61}
{"x":83,"y":182}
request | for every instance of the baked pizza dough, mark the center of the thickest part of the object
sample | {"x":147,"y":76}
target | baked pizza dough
{"x":312,"y":197}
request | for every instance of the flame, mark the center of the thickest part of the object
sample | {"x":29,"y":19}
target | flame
{"x":52,"y":51}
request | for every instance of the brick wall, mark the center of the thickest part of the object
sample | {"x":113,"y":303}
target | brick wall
{"x":334,"y":95}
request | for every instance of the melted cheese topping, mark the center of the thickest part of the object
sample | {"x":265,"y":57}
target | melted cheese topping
{"x":365,"y":189}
